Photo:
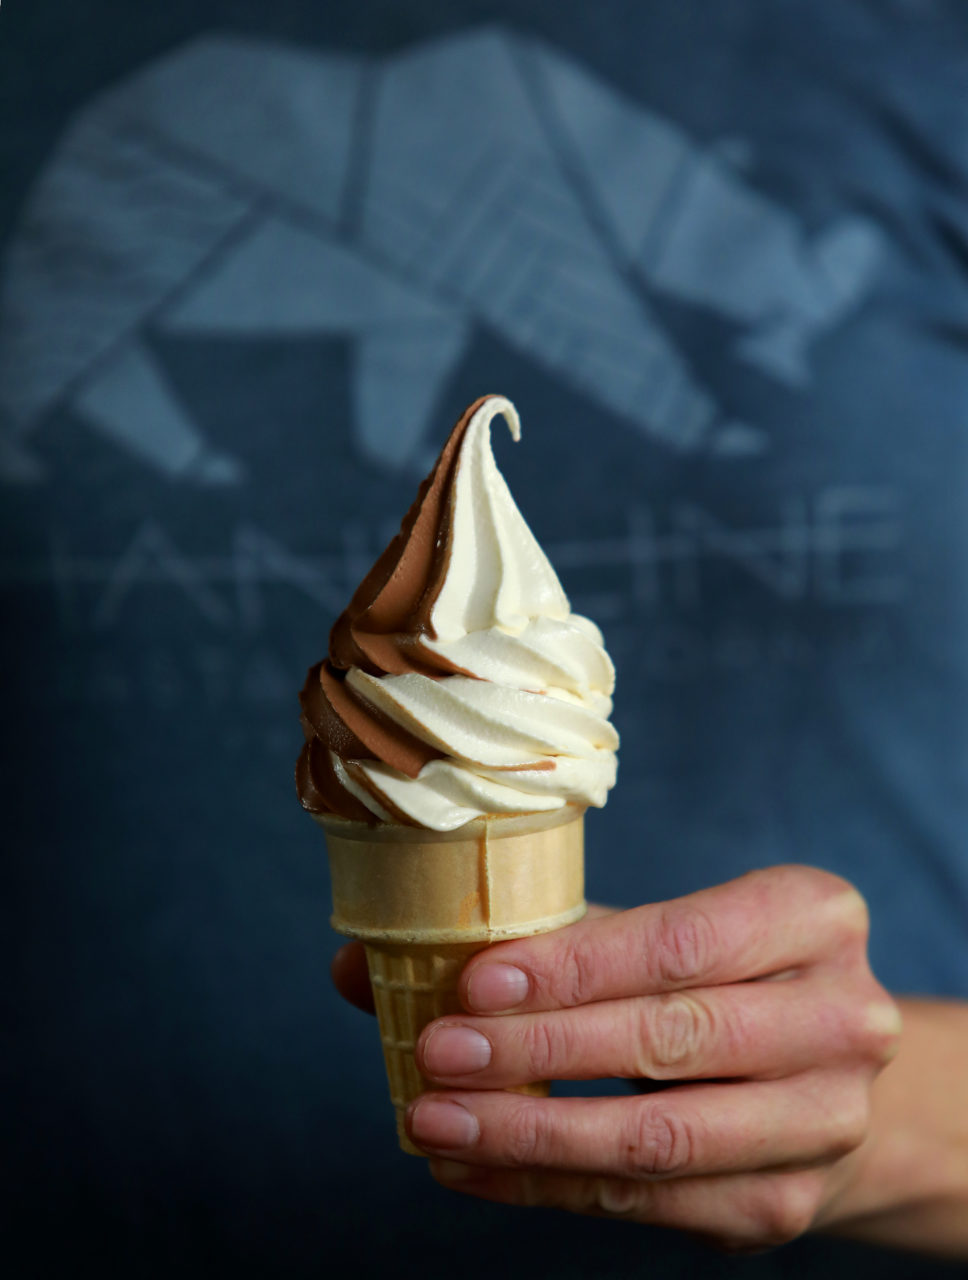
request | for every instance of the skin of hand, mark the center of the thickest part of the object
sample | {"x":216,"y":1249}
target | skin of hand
{"x":752,"y":1005}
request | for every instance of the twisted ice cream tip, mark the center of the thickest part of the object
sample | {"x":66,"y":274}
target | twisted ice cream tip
{"x":459,"y":684}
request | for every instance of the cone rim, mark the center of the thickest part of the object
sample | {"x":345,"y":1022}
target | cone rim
{"x":484,"y":934}
{"x":495,"y":826}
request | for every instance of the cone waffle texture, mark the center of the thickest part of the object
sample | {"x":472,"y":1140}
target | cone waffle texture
{"x":424,"y":902}
{"x":413,"y":985}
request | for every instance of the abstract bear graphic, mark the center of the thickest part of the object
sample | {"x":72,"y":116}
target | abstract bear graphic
{"x":239,"y":188}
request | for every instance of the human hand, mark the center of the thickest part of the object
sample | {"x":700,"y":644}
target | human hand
{"x":754,"y":997}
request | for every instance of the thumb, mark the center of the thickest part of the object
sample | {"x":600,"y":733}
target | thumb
{"x":350,"y":977}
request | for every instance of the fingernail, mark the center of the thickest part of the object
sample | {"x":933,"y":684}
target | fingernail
{"x":495,"y":988}
{"x":455,"y":1051}
{"x":435,"y":1122}
{"x":452,"y":1172}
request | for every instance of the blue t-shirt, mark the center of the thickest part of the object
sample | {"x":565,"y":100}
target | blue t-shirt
{"x":255,"y":261}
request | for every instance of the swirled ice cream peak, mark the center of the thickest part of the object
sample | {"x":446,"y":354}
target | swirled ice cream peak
{"x":459,"y":683}
{"x":496,"y":575}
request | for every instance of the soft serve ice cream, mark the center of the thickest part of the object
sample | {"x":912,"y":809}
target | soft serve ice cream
{"x":459,"y":683}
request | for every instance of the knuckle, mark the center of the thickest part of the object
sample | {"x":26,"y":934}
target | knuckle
{"x":826,"y":883}
{"x":684,"y":946}
{"x":837,"y":898}
{"x":659,"y":1143}
{"x":880,"y":1036}
{"x":525,"y":1139}
{"x":850,"y":1122}
{"x":678,"y":1030}
{"x":575,"y":978}
{"x":844,"y":905}
{"x":853,"y":913}
{"x":542,"y":1048}
{"x":781,"y":1211}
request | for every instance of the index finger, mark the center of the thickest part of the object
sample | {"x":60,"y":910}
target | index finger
{"x":764,"y":923}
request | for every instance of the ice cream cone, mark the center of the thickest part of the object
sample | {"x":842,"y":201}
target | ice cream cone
{"x":424,"y":901}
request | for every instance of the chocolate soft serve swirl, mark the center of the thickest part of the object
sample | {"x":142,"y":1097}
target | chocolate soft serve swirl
{"x":458,"y":682}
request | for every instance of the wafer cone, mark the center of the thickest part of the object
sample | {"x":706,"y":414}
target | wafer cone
{"x":423,"y":902}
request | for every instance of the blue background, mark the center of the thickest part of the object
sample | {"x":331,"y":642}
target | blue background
{"x":199,"y":458}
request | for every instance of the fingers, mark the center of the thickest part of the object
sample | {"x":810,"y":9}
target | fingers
{"x":745,"y":1212}
{"x":348,"y":967}
{"x":686,"y":1132}
{"x":763,"y":923}
{"x":747,"y":1030}
{"x":350,"y":976}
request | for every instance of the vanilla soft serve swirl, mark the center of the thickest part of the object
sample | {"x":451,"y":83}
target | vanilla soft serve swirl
{"x":459,"y":683}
